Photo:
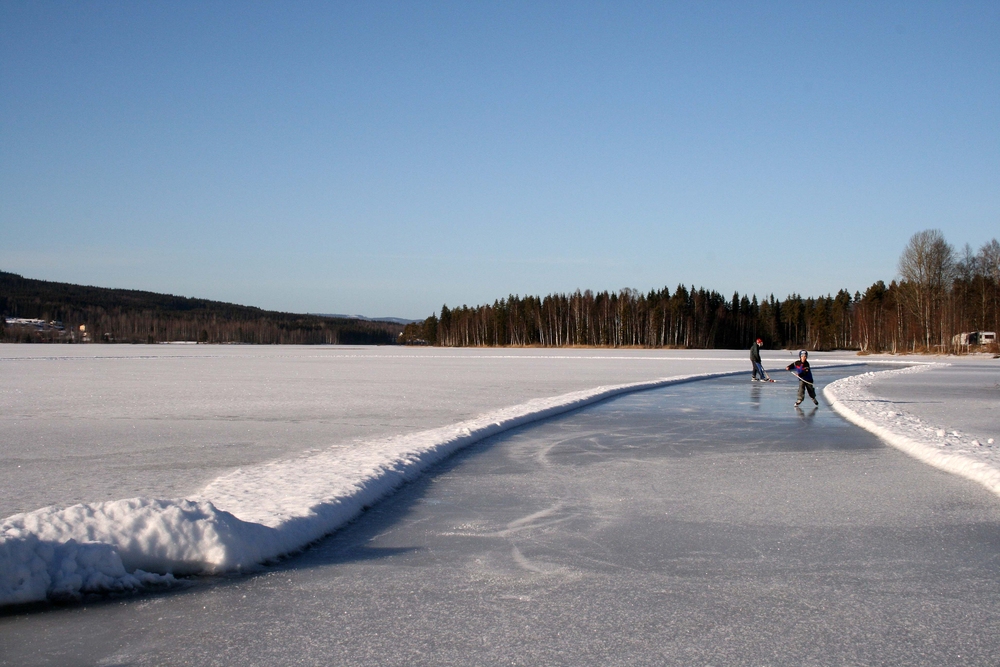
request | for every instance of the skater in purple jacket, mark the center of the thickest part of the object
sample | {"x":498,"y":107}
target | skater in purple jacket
{"x":802,"y":370}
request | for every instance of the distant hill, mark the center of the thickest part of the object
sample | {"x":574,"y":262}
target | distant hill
{"x":394,"y":320}
{"x":64,"y":312}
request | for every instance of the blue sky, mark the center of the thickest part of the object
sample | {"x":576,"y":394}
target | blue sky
{"x":385,"y":158}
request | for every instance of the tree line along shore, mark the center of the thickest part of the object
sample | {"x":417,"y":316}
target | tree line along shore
{"x":941,"y":294}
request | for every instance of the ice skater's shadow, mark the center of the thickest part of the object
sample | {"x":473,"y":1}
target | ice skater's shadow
{"x":808,"y":414}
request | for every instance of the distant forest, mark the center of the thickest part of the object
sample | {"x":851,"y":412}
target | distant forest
{"x":941,"y":293}
{"x":74,"y":313}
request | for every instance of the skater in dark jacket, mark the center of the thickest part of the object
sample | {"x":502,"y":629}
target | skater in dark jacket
{"x":757,"y":366}
{"x":801,"y":368}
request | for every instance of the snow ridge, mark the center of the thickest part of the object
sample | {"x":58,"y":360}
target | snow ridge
{"x":244,"y":518}
{"x":974,"y":458}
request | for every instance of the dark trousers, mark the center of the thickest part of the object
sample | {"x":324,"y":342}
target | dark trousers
{"x":803,"y":388}
{"x":758,"y":368}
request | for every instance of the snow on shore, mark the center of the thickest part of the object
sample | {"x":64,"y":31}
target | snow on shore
{"x":244,"y":518}
{"x":973,"y":456}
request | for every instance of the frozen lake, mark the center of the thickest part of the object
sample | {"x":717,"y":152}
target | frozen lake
{"x":704,"y":523}
{"x":104,"y":422}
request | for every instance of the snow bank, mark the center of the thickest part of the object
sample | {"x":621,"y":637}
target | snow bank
{"x":243,"y":518}
{"x":974,"y":457}
{"x":33,"y":569}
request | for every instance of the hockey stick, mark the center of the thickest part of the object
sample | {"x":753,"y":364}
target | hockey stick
{"x":800,"y":378}
{"x":764,"y":376}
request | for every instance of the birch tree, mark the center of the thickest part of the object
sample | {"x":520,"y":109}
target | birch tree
{"x":927,"y":268}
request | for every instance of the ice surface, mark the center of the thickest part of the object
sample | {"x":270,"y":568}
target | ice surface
{"x":274,"y":509}
{"x":332,"y":430}
{"x":708,"y":523}
{"x":83,"y":424}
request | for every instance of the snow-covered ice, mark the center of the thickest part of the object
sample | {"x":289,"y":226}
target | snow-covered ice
{"x":927,"y":429}
{"x":241,"y":454}
{"x":83,"y":424}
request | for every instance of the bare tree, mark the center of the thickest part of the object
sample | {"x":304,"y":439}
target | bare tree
{"x":989,"y":259}
{"x":927,"y":267}
{"x":988,"y":264}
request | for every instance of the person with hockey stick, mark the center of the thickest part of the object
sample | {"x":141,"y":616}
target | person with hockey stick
{"x":758,"y":367}
{"x":804,"y":373}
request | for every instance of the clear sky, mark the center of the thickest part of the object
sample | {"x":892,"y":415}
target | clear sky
{"x":384,"y":158}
